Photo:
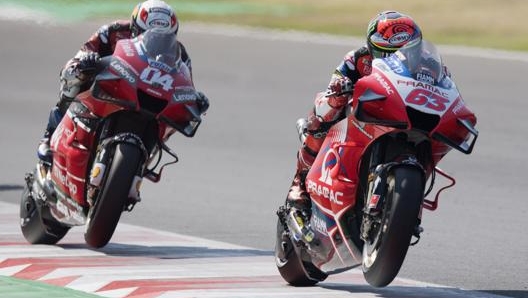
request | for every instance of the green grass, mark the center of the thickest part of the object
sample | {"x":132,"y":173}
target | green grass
{"x":483,"y":23}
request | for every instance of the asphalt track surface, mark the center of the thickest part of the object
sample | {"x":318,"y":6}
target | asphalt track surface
{"x":235,"y":173}
{"x":147,"y":263}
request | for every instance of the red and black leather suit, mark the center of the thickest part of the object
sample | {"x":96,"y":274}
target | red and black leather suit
{"x":326,"y":112}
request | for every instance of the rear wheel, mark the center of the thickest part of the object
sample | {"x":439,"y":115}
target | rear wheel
{"x":104,"y":216}
{"x":292,"y":269}
{"x":36,"y":223}
{"x":384,"y":255}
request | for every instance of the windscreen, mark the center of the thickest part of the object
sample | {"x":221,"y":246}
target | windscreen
{"x":423,"y":61}
{"x":161,"y":46}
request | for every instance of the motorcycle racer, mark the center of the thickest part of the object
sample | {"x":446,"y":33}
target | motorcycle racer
{"x":78,"y":73}
{"x":386,"y":33}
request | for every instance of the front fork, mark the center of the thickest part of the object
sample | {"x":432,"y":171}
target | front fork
{"x":377,"y":196}
{"x":103,"y":159}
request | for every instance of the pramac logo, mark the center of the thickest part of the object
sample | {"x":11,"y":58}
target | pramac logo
{"x":322,"y":189}
{"x":327,"y":167}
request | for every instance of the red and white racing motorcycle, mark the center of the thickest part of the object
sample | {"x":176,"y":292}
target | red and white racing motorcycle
{"x":369,"y":182}
{"x":112,"y":136}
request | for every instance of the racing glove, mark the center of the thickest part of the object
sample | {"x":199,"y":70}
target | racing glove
{"x":339,"y":92}
{"x":88,"y":62}
{"x":202,"y":102}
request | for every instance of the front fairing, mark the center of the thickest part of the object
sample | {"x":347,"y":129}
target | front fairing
{"x":410,"y":90}
{"x":146,"y":75}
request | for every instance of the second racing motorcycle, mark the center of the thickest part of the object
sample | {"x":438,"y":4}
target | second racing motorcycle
{"x":111,"y":138}
{"x":370,"y":181}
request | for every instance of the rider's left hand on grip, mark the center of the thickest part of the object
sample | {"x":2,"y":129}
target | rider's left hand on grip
{"x":88,"y":62}
{"x":341,"y":86}
{"x":202,"y":102}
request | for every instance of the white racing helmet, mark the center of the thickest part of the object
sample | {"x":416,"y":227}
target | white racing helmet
{"x":153,"y":14}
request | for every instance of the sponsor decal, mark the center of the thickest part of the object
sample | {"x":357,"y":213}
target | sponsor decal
{"x":127,"y":48}
{"x":324,"y":192}
{"x":70,"y":209}
{"x":123,"y":71}
{"x":395,"y":64}
{"x":96,"y":176}
{"x":423,"y":85}
{"x":361,"y":127}
{"x":428,"y":79}
{"x":128,"y":67}
{"x":57,"y":173}
{"x":374,"y":200}
{"x":159,"y":10}
{"x":185,"y":96}
{"x":459,"y":106}
{"x":62,"y":208}
{"x":159,"y":23}
{"x":367,"y":65}
{"x":96,"y":172}
{"x":399,"y":38}
{"x":159,"y":65}
{"x":319,"y":225}
{"x":383,"y":83}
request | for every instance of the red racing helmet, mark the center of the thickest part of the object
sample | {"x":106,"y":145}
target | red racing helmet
{"x":389,"y":31}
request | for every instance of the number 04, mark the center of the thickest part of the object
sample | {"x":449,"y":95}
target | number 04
{"x":153,"y":76}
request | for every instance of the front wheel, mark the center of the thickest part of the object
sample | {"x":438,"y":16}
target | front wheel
{"x":105,"y":214}
{"x":384,"y":254}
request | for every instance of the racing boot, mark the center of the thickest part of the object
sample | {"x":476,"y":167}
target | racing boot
{"x":298,"y":200}
{"x":44,"y":152}
{"x":298,"y":205}
{"x":297,"y":196}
